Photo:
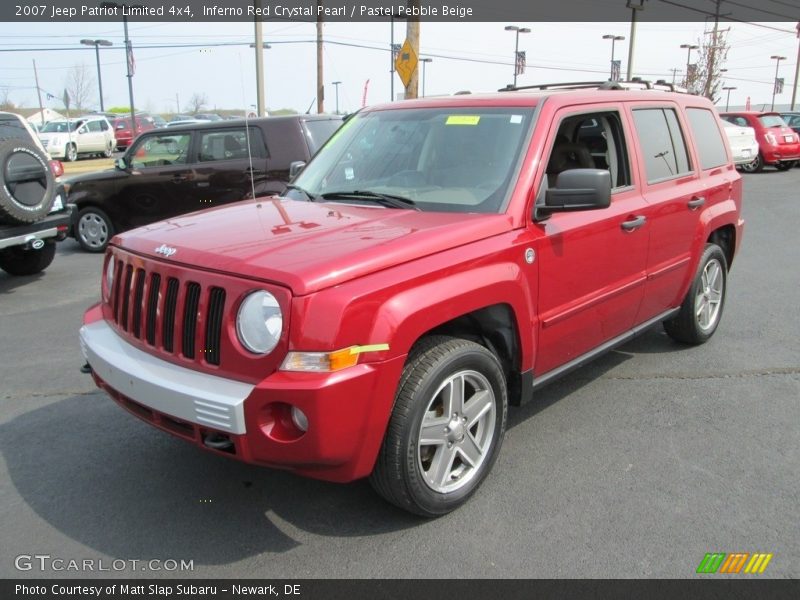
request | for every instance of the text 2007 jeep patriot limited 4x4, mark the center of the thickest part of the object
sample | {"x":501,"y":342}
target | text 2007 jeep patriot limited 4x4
{"x":435,"y":262}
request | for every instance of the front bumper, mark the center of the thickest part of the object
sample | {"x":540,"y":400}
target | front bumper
{"x":347,"y":411}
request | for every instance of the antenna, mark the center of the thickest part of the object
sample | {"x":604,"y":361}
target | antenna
{"x":247,"y":131}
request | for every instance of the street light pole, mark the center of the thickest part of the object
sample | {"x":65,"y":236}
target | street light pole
{"x":128,"y":56}
{"x":614,"y":39}
{"x":336,"y":85}
{"x":97,"y":44}
{"x":517,"y":30}
{"x":689,"y":48}
{"x":728,"y":88}
{"x":424,"y":62}
{"x":777,"y":60}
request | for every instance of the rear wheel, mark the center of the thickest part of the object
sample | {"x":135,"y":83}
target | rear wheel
{"x":756,"y":166}
{"x":109,"y":150}
{"x":27,"y":261}
{"x":446,"y":429}
{"x":701,"y":310}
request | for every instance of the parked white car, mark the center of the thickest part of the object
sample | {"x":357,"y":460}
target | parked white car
{"x":68,"y":138}
{"x":744,"y":145}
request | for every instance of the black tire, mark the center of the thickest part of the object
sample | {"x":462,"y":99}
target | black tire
{"x":688,"y":326}
{"x":93,"y":229}
{"x":756,"y":166}
{"x":27,"y":186}
{"x":400,"y":473}
{"x":71,"y":152}
{"x":19,"y":261}
{"x":785,"y":165}
{"x":109,"y":150}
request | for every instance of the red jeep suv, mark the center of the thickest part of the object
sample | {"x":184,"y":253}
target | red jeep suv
{"x":437,"y":261}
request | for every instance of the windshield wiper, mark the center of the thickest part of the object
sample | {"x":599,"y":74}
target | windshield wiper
{"x":389,"y":200}
{"x":305,"y":192}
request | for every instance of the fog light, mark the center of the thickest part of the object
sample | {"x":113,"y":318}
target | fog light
{"x":299,"y":419}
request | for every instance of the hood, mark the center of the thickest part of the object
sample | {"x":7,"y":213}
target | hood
{"x":307,"y":246}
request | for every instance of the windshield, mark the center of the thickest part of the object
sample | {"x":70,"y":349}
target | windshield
{"x":772,"y":121}
{"x":453,"y":160}
{"x":58,"y":127}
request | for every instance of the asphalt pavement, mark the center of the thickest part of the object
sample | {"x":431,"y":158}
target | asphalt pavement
{"x":634,"y":466}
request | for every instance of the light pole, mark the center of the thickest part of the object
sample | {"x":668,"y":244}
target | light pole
{"x":424,"y":62}
{"x":614,"y":39}
{"x":689,"y":48}
{"x":336,"y":85}
{"x":97,"y":44}
{"x":777,"y":60}
{"x":728,"y":89}
{"x":128,"y":56}
{"x":518,"y":30}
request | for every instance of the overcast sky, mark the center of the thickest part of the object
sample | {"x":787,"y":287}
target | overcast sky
{"x":226,"y":74}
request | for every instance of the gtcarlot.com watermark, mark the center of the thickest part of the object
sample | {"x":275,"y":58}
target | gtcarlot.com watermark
{"x":46,"y":562}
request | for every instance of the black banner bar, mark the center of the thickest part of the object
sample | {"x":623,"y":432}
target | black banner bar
{"x":382,"y":589}
{"x":44,"y":11}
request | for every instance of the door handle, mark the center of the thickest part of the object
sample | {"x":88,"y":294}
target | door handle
{"x":634,"y":223}
{"x":696,"y":202}
{"x":179,"y":178}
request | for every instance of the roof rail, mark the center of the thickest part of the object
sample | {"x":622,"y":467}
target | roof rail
{"x":634,"y":83}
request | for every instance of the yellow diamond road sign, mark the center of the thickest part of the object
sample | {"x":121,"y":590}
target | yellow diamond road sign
{"x":406,"y":63}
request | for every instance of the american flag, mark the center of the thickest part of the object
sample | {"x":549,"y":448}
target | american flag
{"x":519,"y":63}
{"x":131,"y":60}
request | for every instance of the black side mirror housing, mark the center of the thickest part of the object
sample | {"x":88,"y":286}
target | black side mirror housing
{"x":577,"y":189}
{"x":295,"y":167}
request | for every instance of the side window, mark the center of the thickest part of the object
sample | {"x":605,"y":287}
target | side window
{"x":663,"y":145}
{"x":93,"y":126}
{"x":103,"y":125}
{"x":231,"y":144}
{"x":707,"y":137}
{"x":591,"y":141}
{"x":161,"y":150}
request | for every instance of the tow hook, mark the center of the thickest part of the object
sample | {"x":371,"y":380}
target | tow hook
{"x":87,"y":368}
{"x":33,"y":243}
{"x":218,"y":441}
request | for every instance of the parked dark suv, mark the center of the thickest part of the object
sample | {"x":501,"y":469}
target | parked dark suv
{"x":169,"y":172}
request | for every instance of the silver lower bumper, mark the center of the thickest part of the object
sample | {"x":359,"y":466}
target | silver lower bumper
{"x":182,"y":393}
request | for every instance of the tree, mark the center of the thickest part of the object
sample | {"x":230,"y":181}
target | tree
{"x":706,"y":78}
{"x":80,"y":86}
{"x":5,"y":101}
{"x":197,"y":102}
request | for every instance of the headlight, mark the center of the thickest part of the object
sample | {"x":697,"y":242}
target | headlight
{"x":109,"y":278}
{"x":259,"y":322}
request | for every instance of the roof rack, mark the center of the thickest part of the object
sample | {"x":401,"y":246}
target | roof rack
{"x":636,"y":83}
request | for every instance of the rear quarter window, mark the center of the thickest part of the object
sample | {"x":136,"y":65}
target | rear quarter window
{"x":708,"y":138}
{"x":13,"y":129}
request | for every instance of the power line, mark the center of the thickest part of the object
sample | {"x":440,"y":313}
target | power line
{"x":728,"y":18}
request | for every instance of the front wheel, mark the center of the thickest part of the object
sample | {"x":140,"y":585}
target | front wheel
{"x":71,"y":153}
{"x":446,"y":429}
{"x":701,"y":310}
{"x":785,"y":165}
{"x":94,"y":229}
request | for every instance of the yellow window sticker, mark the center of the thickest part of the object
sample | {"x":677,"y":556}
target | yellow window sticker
{"x":462,"y":120}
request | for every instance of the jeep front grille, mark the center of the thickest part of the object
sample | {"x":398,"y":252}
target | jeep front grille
{"x":159,"y":314}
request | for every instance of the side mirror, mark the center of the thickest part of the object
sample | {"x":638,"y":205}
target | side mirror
{"x":295,"y":167}
{"x":577,"y":189}
{"x":121,"y":164}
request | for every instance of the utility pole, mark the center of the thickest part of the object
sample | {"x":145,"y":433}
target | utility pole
{"x":674,"y":72}
{"x":320,"y":80}
{"x":38,"y":92}
{"x":796,"y":67}
{"x":392,"y":51}
{"x":634,"y":5}
{"x":412,"y":35}
{"x":259,"y":48}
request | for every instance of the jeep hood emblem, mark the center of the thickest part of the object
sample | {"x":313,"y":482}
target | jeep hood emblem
{"x":166,"y":250}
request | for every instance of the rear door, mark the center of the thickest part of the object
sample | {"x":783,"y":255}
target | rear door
{"x":674,"y":195}
{"x":231,"y":162}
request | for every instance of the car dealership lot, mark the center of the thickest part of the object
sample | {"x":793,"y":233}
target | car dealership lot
{"x":634,"y":466}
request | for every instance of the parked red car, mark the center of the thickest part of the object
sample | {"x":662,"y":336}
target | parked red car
{"x":124,"y":133}
{"x":778,"y":144}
